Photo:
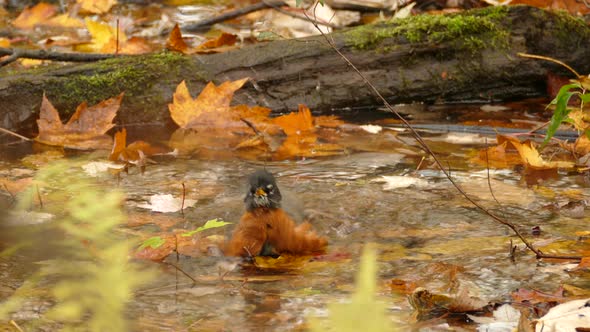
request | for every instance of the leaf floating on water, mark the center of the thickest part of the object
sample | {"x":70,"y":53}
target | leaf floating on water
{"x":95,"y":168}
{"x":213,"y":223}
{"x":505,"y":319}
{"x":397,"y":182}
{"x":372,"y":129}
{"x":569,"y":316}
{"x":166,"y":203}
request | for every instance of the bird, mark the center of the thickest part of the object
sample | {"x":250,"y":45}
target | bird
{"x":265,"y":229}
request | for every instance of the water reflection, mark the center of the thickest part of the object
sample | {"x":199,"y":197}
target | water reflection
{"x":429,"y":236}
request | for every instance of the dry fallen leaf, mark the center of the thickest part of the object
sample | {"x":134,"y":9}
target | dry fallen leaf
{"x":134,"y":152}
{"x":175,"y":41}
{"x":302,"y":139}
{"x":86,"y":128}
{"x":531,"y":157}
{"x":220,"y":44}
{"x":32,"y":16}
{"x":63,"y":21}
{"x":105,"y":39}
{"x":96,"y":6}
{"x":211,"y":108}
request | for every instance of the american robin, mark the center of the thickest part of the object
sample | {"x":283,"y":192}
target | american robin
{"x":266,"y":229}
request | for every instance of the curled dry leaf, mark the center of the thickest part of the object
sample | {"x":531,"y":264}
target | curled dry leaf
{"x":224,"y":42}
{"x":176,"y":42}
{"x":86,"y":128}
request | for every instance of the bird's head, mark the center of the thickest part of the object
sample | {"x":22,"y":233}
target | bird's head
{"x":262,"y":191}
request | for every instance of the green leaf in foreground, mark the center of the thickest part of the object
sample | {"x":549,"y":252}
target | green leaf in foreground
{"x":213,"y":223}
{"x":363,"y":312}
{"x":153,"y":242}
{"x":561,"y":111}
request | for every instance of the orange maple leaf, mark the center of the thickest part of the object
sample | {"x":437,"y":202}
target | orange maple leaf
{"x":210,"y":108}
{"x":32,"y":16}
{"x":302,"y":139}
{"x":86,"y":128}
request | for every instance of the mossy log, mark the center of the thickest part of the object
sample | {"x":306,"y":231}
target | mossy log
{"x":451,"y":58}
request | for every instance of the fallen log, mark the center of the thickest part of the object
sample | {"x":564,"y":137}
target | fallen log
{"x":463,"y":57}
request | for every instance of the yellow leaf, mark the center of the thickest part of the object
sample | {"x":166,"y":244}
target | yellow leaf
{"x":32,"y":16}
{"x":96,"y":6}
{"x":64,"y":21}
{"x":531,"y":157}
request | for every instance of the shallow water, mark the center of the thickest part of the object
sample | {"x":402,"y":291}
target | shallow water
{"x":428,"y":235}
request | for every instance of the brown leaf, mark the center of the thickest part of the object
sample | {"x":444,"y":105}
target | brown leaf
{"x":498,"y":157}
{"x":86,"y":128}
{"x":222,"y":43}
{"x":535,"y":296}
{"x":175,"y":41}
{"x":133,"y":152}
{"x":32,"y":16}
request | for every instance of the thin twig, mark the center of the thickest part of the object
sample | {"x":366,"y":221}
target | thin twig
{"x":8,"y":191}
{"x":13,"y":323}
{"x":39,"y":196}
{"x":207,"y":23}
{"x":533,"y":56}
{"x":18,"y":53}
{"x":489,"y":177}
{"x":182,"y":271}
{"x":14,"y":134}
{"x":425,"y":146}
{"x":183,"y":198}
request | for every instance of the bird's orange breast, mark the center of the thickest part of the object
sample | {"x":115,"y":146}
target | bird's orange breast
{"x":276,"y":228}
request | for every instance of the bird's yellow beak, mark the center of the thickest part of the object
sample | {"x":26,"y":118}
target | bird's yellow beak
{"x":260,"y":192}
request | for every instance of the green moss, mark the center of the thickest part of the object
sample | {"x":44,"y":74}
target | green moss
{"x":473,"y":29}
{"x":108,"y":78}
{"x":570,"y":28}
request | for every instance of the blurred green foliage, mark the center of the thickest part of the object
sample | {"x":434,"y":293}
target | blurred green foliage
{"x":364,"y":312}
{"x":89,"y":277}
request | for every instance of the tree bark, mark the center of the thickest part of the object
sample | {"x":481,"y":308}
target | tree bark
{"x":467,"y":57}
